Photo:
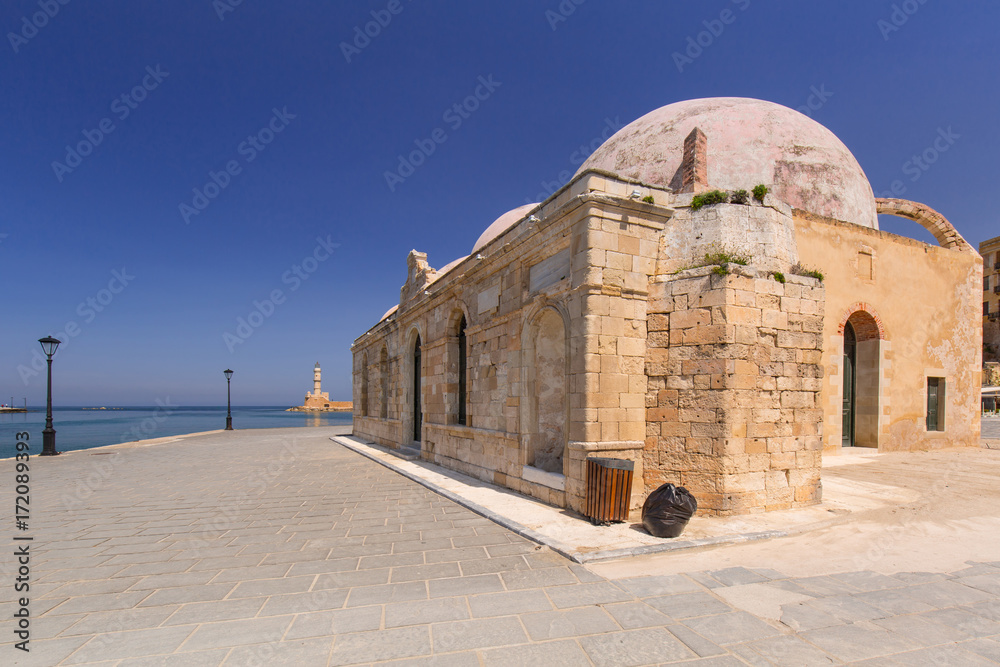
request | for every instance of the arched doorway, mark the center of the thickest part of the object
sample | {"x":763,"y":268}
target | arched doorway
{"x":417,"y":415}
{"x":862,"y":373}
{"x":849,"y":404}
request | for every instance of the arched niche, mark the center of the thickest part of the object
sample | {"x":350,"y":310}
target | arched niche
{"x":546,"y":424}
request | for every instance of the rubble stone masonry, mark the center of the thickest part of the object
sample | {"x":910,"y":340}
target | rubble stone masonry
{"x":733,"y":398}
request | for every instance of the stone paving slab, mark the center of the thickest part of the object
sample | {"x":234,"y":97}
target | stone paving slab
{"x":280,"y":547}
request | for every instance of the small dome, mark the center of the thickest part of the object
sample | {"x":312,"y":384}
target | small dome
{"x":749,"y":142}
{"x":389,"y":312}
{"x":448,"y":267}
{"x":502,"y":224}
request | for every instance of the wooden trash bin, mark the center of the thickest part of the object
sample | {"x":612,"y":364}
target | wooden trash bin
{"x":609,"y":489}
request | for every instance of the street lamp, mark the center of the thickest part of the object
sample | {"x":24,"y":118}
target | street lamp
{"x":229,"y":409}
{"x":49,"y":347}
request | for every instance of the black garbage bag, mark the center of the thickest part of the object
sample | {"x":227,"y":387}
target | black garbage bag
{"x":667,"y":510}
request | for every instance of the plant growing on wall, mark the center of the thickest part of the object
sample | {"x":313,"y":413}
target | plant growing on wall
{"x":709,"y":198}
{"x":801,"y":270}
{"x":648,"y":199}
{"x":759,"y":192}
{"x":725,"y":257}
{"x":719,"y":258}
{"x":740,"y":197}
{"x":779,"y":276}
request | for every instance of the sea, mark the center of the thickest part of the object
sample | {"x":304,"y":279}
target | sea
{"x":88,"y":427}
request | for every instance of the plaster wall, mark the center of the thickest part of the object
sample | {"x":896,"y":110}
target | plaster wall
{"x":926,"y":300}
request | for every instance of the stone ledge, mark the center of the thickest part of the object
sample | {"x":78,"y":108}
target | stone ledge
{"x":607,"y":445}
{"x":551,"y":480}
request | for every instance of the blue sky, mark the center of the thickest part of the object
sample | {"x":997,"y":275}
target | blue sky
{"x":230,"y":153}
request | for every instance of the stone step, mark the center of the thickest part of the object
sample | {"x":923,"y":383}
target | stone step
{"x":409,"y":453}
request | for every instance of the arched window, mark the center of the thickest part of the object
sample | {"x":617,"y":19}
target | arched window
{"x":383,"y":372}
{"x":463,"y":396}
{"x":364,"y":385}
{"x":418,"y":416}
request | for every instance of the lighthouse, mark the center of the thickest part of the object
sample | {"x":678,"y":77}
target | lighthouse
{"x":317,"y":398}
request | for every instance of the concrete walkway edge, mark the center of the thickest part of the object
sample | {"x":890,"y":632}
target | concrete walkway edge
{"x":362,"y":447}
{"x":368,"y":449}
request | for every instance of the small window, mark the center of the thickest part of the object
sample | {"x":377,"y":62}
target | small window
{"x":986,"y":307}
{"x":986,"y":283}
{"x":935,"y":404}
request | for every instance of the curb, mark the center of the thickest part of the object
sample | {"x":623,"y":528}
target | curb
{"x":362,"y":447}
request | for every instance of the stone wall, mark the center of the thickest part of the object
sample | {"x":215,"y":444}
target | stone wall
{"x":576,"y":279}
{"x":733,"y":401}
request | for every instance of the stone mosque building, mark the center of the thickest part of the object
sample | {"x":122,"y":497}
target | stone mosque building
{"x":655,"y":309}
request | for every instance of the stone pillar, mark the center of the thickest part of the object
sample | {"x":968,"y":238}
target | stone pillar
{"x":616,"y":253}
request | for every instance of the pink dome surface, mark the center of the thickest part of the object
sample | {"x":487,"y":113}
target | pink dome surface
{"x":502,"y":224}
{"x":389,"y":312}
{"x":749,"y":142}
{"x":448,"y":267}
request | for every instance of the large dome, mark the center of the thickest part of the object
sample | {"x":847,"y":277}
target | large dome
{"x":749,"y":142}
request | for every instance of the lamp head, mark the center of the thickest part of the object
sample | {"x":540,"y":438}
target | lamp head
{"x":49,"y":345}
{"x":228,"y":373}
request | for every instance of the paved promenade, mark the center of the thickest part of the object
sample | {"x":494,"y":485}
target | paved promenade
{"x":279,"y":547}
{"x":991,"y":430}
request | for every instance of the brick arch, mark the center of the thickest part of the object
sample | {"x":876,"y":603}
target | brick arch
{"x":942,"y":230}
{"x":866,"y":322}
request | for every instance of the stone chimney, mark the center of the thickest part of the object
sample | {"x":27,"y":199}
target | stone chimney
{"x":694,"y":168}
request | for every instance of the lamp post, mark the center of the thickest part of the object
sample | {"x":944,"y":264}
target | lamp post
{"x":229,"y":409}
{"x":49,"y":347}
